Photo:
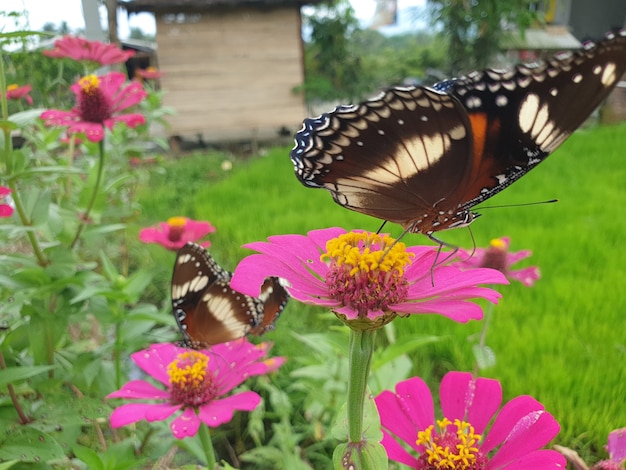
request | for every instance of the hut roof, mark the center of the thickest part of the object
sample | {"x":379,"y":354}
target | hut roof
{"x":136,"y":6}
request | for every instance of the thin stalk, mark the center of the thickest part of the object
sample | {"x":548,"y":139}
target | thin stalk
{"x":361,"y":349}
{"x":94,"y":194}
{"x":16,"y":404}
{"x":207,"y":446}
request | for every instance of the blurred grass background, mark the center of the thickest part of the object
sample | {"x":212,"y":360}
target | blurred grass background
{"x":562,"y":341}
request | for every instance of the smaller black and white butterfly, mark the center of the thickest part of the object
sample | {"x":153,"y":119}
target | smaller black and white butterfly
{"x":208,"y":311}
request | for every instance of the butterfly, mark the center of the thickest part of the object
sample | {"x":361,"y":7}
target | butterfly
{"x":208,"y":311}
{"x":424,"y":156}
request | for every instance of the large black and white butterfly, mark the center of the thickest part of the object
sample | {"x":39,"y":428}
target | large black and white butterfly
{"x":208,"y":311}
{"x":424,"y":156}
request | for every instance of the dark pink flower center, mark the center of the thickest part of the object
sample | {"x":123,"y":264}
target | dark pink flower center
{"x":93,"y":105}
{"x":495,"y":256}
{"x":191,"y":381}
{"x":177,"y":228}
{"x":367,"y":271}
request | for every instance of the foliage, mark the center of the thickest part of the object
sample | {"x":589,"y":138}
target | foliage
{"x":474,"y":28}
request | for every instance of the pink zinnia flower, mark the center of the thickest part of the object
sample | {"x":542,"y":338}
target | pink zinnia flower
{"x":5,"y":209}
{"x":497,"y":256}
{"x":176,"y":232}
{"x":15,"y":92}
{"x":363,"y":275}
{"x":99,"y":103}
{"x":151,"y":73}
{"x":460,"y":439}
{"x":196,"y":382}
{"x":617,"y":452}
{"x":82,"y":49}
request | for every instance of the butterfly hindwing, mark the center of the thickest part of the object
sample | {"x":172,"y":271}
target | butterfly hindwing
{"x":208,"y":311}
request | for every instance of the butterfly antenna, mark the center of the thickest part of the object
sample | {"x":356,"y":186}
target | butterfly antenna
{"x":381,"y":227}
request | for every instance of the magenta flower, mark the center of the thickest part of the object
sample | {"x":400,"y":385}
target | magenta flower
{"x":176,"y":232}
{"x":196,"y":382}
{"x":362,"y":275}
{"x":99,"y":103}
{"x":498,"y":257}
{"x":5,"y":209}
{"x":82,"y":49}
{"x":617,"y":452}
{"x":460,"y":439}
{"x":15,"y":92}
{"x":150,"y":73}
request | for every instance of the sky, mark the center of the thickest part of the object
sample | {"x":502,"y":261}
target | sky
{"x":42,"y":11}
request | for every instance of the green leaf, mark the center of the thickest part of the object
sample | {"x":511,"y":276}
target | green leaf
{"x":91,"y":458}
{"x":30,"y":445}
{"x":371,"y":422}
{"x":137,"y":283}
{"x":7,"y":465}
{"x":485,"y":356}
{"x":7,"y":126}
{"x":15,"y":374}
{"x":26,"y":118}
{"x":360,"y":456}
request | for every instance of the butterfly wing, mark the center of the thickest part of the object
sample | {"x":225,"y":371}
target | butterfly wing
{"x":522,"y":115}
{"x":270,"y":304}
{"x":208,"y":311}
{"x":423,"y":157}
{"x":392,"y":157}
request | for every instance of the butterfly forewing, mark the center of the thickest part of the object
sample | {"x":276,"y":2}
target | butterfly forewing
{"x":424,"y":157}
{"x":208,"y":311}
{"x":385,"y":157}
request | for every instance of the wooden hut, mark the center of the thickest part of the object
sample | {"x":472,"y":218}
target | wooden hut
{"x":229,"y":66}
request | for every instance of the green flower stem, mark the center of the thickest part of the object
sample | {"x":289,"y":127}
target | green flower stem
{"x":361,"y":349}
{"x":482,"y":339}
{"x":207,"y":446}
{"x":16,"y":404}
{"x":94,"y":194}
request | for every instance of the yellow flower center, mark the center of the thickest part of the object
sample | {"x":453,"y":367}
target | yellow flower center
{"x":497,"y":243}
{"x":12,"y":87}
{"x":190,"y":380}
{"x":177,"y":221}
{"x":367,"y":273}
{"x":452,"y":447}
{"x":367,"y":252}
{"x":89,"y":84}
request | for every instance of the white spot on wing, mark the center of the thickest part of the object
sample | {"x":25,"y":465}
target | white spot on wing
{"x":528,"y":111}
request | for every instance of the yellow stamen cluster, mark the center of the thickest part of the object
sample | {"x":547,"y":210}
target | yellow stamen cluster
{"x":497,"y":243}
{"x":177,"y":221}
{"x":188,"y":370}
{"x":89,"y":83}
{"x":12,"y":87}
{"x":447,"y":451}
{"x":367,"y":252}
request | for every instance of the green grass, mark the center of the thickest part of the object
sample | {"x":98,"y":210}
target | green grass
{"x":562,"y":341}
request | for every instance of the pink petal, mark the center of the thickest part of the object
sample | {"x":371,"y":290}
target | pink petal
{"x":128,"y":96}
{"x":92,"y":130}
{"x":396,"y":452}
{"x":56,"y":117}
{"x":218,"y":412}
{"x":5,"y":210}
{"x":526,"y":276}
{"x":457,"y":310}
{"x":617,"y":445}
{"x":185,"y":425}
{"x":539,"y":460}
{"x":475,"y":401}
{"x":254,"y":269}
{"x":140,"y":389}
{"x":133,"y":412}
{"x":154,"y":360}
{"x":407,"y":411}
{"x":160,"y":411}
{"x":152,"y":235}
{"x":522,"y":426}
{"x":4,"y":191}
